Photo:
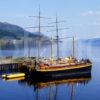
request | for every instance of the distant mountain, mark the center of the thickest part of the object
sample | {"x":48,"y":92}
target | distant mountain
{"x":94,"y":41}
{"x":10,"y":31}
{"x":12,"y":36}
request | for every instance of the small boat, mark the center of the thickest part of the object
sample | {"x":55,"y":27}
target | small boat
{"x":13,"y":75}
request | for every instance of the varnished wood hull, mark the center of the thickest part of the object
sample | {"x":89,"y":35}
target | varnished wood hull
{"x":60,"y":73}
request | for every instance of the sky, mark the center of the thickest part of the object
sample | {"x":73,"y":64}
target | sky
{"x":82,"y":17}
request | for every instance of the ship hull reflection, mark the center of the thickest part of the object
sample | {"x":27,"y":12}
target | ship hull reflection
{"x":81,"y":77}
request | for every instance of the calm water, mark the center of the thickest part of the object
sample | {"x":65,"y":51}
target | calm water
{"x":73,"y":89}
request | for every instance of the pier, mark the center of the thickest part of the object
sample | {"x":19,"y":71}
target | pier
{"x":15,"y":63}
{"x":12,"y":66}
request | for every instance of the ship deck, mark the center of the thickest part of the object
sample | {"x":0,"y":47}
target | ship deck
{"x":62,"y":67}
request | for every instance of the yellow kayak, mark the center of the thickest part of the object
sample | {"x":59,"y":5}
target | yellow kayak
{"x":13,"y":75}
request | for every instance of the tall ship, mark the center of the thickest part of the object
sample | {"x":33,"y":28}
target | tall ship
{"x":58,"y":67}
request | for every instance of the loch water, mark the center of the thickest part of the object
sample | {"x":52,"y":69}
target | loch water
{"x":87,"y":88}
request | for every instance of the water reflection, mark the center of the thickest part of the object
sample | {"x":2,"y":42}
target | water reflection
{"x":14,"y":79}
{"x":53,"y":89}
{"x":70,"y":88}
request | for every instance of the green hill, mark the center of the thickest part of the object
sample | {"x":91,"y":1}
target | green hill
{"x":10,"y":31}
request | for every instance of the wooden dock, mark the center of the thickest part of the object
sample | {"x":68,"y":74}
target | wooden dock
{"x":13,"y":63}
{"x":9,"y":66}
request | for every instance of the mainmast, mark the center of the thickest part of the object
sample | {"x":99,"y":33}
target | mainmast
{"x":39,"y":33}
{"x":39,"y":17}
{"x":57,"y":34}
{"x":57,"y":37}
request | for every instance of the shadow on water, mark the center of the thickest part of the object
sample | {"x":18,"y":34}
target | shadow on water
{"x":70,"y":79}
{"x":53,"y":86}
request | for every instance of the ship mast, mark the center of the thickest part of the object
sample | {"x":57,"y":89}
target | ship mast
{"x":39,"y":31}
{"x":39,"y":17}
{"x":51,"y":50}
{"x":73,"y":47}
{"x":57,"y":37}
{"x":57,"y":34}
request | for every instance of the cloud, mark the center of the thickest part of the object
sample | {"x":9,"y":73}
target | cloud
{"x":91,"y":13}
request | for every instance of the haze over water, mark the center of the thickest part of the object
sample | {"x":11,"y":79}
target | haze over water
{"x":81,"y":89}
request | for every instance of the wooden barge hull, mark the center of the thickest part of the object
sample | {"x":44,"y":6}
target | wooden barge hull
{"x":45,"y":74}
